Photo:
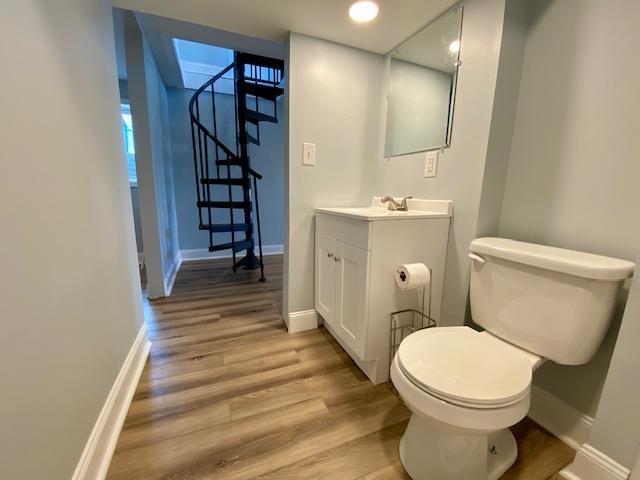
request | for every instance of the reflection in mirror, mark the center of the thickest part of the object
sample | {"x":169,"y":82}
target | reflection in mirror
{"x":422,"y":85}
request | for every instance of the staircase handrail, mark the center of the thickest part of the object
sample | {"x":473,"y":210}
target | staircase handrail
{"x":203,"y":128}
{"x":196,"y":120}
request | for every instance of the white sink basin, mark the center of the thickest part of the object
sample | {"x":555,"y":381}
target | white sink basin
{"x":417,"y":208}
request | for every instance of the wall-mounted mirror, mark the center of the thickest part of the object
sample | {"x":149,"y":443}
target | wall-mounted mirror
{"x":422,"y":87}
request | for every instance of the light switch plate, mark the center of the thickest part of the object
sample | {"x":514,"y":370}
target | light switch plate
{"x":431,"y":164}
{"x":309,"y":154}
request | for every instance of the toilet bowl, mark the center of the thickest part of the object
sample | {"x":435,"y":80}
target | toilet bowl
{"x":460,"y":415}
{"x":465,"y":388}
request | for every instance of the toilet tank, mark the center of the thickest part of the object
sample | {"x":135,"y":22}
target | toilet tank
{"x":554,"y":302}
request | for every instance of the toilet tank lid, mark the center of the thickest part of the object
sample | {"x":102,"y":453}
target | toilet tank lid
{"x":572,"y":262}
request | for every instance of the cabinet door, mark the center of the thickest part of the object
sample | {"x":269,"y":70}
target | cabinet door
{"x":352,"y":289}
{"x":326,"y":277}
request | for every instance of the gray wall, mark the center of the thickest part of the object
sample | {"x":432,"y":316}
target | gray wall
{"x":573,"y":170}
{"x":267,"y":159}
{"x":71,"y":304}
{"x":135,"y":195}
{"x":505,"y":102}
{"x":122,"y":85}
{"x":137,"y":221}
{"x":418,"y":108}
{"x":334,"y":102}
{"x":616,"y":430}
{"x":149,"y":109}
{"x":461,"y":167}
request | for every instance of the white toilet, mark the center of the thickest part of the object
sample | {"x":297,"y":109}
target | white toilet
{"x":465,"y":388}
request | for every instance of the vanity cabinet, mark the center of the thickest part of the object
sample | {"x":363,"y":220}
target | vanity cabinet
{"x":342,"y":287}
{"x":356,"y":254}
{"x":326,"y":277}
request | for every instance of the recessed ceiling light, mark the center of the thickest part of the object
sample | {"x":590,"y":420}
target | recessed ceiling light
{"x":363,"y":11}
{"x":454,"y":47}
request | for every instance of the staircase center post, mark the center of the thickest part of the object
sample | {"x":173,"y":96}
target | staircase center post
{"x":250,"y":261}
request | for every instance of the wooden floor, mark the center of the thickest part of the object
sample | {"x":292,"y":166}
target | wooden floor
{"x":227,"y":393}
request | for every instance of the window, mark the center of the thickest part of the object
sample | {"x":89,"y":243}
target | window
{"x":129,"y":146}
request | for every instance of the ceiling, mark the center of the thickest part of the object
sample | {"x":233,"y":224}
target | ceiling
{"x":199,"y":62}
{"x":272,"y":20}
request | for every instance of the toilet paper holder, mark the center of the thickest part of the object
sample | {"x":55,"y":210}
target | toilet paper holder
{"x":405,"y":322}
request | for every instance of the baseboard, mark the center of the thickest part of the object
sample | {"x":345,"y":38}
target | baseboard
{"x":591,"y":464}
{"x":95,"y":459}
{"x":171,"y":276}
{"x":302,"y":320}
{"x":194,"y":254}
{"x":562,"y":420}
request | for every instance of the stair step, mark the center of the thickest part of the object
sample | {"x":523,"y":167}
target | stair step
{"x":263,"y":91}
{"x":225,"y":227}
{"x":233,"y":163}
{"x":241,"y":245}
{"x":260,"y":61}
{"x":221,"y":181}
{"x":224,"y":204}
{"x":255,"y":117}
{"x":253,"y":139}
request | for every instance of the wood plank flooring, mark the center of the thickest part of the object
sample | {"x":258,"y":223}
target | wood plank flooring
{"x":227,"y":393}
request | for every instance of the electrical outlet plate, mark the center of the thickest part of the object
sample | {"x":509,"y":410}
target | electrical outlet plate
{"x":431,"y":164}
{"x":309,"y":154}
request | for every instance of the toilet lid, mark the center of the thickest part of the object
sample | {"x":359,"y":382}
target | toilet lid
{"x":465,"y":367}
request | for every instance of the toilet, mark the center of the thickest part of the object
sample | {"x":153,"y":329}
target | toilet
{"x":465,"y":387}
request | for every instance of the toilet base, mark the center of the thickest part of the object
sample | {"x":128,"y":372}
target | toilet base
{"x":429,"y":452}
{"x":503,"y":453}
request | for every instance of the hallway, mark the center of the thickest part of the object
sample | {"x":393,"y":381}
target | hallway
{"x":227,"y":393}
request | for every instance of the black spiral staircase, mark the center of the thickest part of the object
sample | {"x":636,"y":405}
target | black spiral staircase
{"x":223,"y":173}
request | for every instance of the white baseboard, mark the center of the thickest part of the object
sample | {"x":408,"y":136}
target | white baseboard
{"x":301,"y":321}
{"x":562,"y":420}
{"x":95,"y":459}
{"x":592,"y":464}
{"x":204,"y":253}
{"x":171,"y":276}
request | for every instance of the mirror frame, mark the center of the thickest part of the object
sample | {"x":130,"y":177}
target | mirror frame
{"x":454,"y":86}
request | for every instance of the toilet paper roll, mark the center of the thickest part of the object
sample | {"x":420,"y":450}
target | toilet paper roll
{"x":413,"y":275}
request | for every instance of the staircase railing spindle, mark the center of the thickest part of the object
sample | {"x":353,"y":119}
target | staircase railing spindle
{"x":255,"y":196}
{"x":197,"y":175}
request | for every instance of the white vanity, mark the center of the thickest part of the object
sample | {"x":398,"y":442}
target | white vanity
{"x":357,"y":252}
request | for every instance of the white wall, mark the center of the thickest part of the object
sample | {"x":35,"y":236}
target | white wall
{"x":70,"y":304}
{"x":334,"y":102}
{"x":573,"y":170}
{"x":418,"y":108}
{"x":461,"y":167}
{"x":149,"y":110}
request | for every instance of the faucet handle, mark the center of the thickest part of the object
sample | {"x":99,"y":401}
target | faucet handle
{"x":403,"y":203}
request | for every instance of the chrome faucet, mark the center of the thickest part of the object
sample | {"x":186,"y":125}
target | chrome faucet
{"x":393,"y":205}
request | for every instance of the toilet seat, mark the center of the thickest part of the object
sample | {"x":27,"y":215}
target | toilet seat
{"x":465,"y":367}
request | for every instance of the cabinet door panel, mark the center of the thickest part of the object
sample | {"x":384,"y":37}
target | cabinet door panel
{"x":326,"y":277}
{"x":352,"y":287}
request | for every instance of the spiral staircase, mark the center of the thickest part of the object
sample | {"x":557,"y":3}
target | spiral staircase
{"x":226,"y":185}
